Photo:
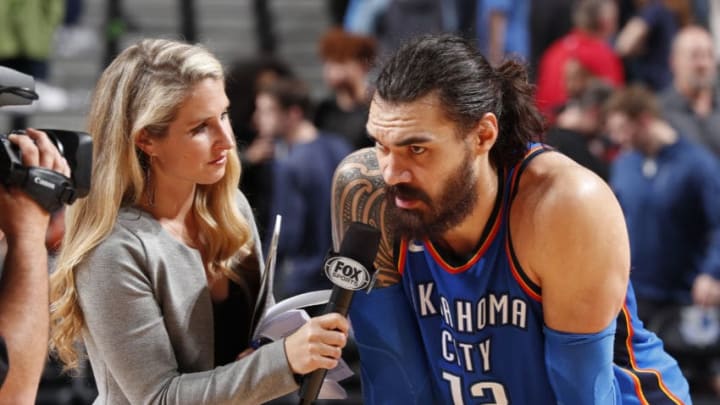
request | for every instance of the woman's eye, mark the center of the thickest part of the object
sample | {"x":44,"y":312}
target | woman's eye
{"x":416,"y":150}
{"x":198,"y":129}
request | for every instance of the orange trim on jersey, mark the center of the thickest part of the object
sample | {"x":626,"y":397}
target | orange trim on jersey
{"x":516,"y":274}
{"x":514,"y":178}
{"x":638,"y":390}
{"x":633,"y":364}
{"x":480,"y":252}
{"x":513,"y":269}
{"x":517,"y":166}
{"x":532,"y":150}
{"x":403,"y":256}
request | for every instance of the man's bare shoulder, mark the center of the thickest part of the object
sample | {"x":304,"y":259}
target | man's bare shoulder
{"x":570,"y":237}
{"x":555,"y":182}
{"x":556,"y":198}
{"x":358,"y":195}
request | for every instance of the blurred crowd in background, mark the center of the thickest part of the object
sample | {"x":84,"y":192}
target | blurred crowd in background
{"x":628,"y":89}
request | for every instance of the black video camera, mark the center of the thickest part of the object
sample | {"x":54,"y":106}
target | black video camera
{"x":49,"y":188}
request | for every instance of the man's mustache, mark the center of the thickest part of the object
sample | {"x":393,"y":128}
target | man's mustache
{"x":406,"y":192}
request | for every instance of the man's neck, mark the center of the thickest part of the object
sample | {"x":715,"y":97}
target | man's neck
{"x":303,"y":132}
{"x":356,"y":94}
{"x":700,"y":99}
{"x":660,"y":135}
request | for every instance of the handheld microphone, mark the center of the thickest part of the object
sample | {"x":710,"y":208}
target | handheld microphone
{"x":350,"y":270}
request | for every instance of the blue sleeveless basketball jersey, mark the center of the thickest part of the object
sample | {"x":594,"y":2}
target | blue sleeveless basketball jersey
{"x":478,"y":323}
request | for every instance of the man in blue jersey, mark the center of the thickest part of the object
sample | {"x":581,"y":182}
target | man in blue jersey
{"x":462,"y":312}
{"x":301,"y":183}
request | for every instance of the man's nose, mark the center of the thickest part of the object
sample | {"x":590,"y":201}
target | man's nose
{"x":394,"y":171}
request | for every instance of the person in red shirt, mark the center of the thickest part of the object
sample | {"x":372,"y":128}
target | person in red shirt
{"x":584,"y":53}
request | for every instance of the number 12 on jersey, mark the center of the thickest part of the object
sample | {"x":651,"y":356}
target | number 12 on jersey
{"x":490,"y":392}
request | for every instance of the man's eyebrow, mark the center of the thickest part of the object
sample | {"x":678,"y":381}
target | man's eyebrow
{"x":422,"y":138}
{"x":414,"y":139}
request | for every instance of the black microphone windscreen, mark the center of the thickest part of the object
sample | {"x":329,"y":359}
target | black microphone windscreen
{"x":361,"y":243}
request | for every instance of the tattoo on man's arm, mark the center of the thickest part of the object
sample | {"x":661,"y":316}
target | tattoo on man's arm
{"x":358,"y":196}
{"x":386,"y":278}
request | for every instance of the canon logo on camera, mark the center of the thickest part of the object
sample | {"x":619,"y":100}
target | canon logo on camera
{"x":347,"y":273}
{"x":44,"y":183}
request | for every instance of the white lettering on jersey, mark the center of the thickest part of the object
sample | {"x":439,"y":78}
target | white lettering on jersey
{"x":426,"y":305}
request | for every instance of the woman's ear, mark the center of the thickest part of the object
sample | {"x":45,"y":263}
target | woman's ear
{"x":485,"y":133}
{"x":145,"y":142}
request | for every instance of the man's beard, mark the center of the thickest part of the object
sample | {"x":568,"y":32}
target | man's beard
{"x":346,"y":88}
{"x":700,"y":83}
{"x":456,"y":201}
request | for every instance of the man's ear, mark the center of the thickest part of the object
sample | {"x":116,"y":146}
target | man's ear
{"x":485,"y":133}
{"x":145,"y":143}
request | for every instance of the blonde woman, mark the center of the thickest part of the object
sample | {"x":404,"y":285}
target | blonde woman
{"x":160,"y":264}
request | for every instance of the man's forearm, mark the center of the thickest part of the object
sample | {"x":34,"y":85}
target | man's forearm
{"x":24,"y":320}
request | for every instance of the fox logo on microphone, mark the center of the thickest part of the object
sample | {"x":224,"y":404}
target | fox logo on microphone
{"x":347,"y":273}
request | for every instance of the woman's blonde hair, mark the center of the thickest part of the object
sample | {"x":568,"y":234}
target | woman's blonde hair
{"x":142,"y":89}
